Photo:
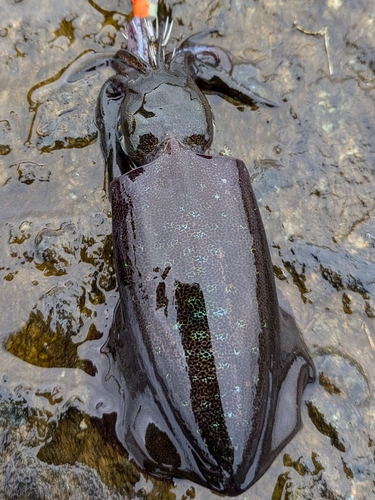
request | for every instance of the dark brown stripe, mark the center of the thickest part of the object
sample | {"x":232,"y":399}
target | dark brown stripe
{"x":200,"y":359}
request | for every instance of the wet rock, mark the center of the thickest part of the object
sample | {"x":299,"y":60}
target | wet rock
{"x":5,"y":133}
{"x":312,"y":167}
{"x":66,"y":118}
{"x":51,"y":328}
{"x":19,"y":235}
{"x":56,"y":249}
{"x":28,"y":172}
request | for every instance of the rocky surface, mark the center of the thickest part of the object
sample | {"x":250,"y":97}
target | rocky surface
{"x":312,"y":165}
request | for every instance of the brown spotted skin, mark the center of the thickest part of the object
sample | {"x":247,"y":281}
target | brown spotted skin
{"x":213,"y":369}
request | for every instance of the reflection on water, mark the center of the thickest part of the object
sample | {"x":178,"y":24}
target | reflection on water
{"x":312,"y":167}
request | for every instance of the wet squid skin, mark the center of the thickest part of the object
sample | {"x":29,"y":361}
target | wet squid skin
{"x":213,"y":368}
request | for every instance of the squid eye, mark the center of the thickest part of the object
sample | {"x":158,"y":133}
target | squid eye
{"x":196,"y":140}
{"x":147,"y":143}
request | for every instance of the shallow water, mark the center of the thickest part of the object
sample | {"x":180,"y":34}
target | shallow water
{"x":312,"y":165}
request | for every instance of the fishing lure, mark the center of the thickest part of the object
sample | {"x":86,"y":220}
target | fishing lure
{"x":145,"y":8}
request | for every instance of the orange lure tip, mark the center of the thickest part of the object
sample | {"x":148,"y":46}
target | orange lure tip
{"x":145,"y":8}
